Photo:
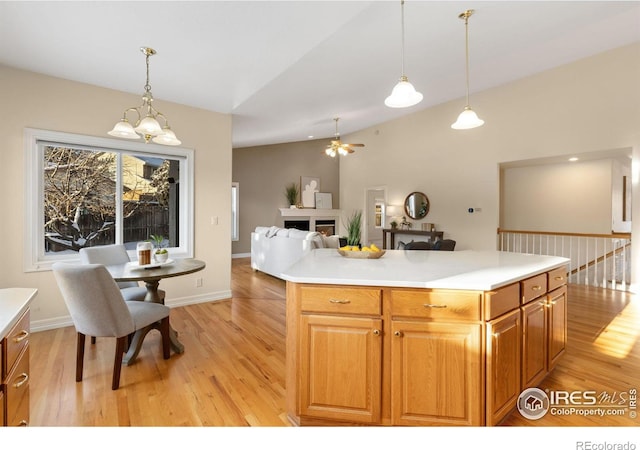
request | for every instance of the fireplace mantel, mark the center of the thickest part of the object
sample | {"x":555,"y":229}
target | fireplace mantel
{"x":309,"y":212}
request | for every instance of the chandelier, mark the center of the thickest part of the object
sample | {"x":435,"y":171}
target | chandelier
{"x":468,"y":118}
{"x":403,"y":94}
{"x":146,"y":124}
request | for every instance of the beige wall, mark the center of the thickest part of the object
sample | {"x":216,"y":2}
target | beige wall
{"x":570,"y":197}
{"x":589,"y":105}
{"x":36,"y":101}
{"x":264,"y":171}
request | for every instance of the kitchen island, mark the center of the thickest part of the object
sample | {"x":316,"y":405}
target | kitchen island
{"x":420,"y":337}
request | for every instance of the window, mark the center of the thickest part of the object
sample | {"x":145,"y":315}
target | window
{"x":84,"y":191}
{"x":235,"y":209}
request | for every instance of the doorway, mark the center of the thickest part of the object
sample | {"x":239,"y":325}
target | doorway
{"x":375,"y":215}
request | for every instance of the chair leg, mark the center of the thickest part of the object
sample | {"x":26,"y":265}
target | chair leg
{"x":121,"y":344}
{"x":79,"y":356}
{"x":166,"y":338}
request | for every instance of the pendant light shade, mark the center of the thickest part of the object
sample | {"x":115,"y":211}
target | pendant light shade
{"x":468,"y":118}
{"x":403,"y":94}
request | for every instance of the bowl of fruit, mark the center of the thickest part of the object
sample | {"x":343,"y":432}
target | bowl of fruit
{"x":366,"y":252}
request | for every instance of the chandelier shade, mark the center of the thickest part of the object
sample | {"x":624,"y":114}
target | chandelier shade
{"x":468,"y":118}
{"x":403,"y":94}
{"x":147,"y":125}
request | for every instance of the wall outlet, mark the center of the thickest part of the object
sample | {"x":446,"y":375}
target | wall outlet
{"x":198,"y":282}
{"x":214,"y":220}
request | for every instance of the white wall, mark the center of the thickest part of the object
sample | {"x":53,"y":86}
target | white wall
{"x":571,"y":197}
{"x":37,"y":101}
{"x":589,"y":105}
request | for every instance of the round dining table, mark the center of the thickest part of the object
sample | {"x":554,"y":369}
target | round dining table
{"x":150,"y":275}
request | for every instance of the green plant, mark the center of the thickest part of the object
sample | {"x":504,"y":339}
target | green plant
{"x":158,"y":243}
{"x":354,"y":226}
{"x":394,"y":224}
{"x":291,"y":192}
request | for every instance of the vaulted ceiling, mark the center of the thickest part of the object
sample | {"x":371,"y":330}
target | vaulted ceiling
{"x":285,"y":69}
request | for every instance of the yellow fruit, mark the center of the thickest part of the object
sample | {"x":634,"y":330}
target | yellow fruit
{"x":345,"y":248}
{"x":374,"y":248}
{"x":366,"y":249}
{"x":355,"y":248}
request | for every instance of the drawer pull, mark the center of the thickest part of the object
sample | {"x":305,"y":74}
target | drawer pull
{"x":376,"y":332}
{"x":25,"y":378}
{"x":397,"y":333}
{"x":339,"y":301}
{"x":559,"y":278}
{"x":536,"y":288}
{"x":21,"y":336}
{"x":551,"y":303}
{"x":23,"y":423}
{"x":426,"y":305}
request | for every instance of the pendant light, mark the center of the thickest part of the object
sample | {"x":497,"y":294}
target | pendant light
{"x":146,"y":125}
{"x":403,"y":94}
{"x":468,"y":118}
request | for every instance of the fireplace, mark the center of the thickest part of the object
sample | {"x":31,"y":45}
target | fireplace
{"x":326,"y":227}
{"x":297,"y":224}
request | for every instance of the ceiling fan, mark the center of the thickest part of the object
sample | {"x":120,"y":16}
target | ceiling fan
{"x":337,"y":147}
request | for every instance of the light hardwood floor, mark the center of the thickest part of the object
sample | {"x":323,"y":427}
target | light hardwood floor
{"x":232,"y":372}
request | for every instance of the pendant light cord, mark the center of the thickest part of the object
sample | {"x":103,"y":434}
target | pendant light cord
{"x":466,"y":45}
{"x":402,"y":28}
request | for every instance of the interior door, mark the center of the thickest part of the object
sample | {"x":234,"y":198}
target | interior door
{"x":375,"y":216}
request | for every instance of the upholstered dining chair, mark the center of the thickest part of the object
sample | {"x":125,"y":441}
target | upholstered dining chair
{"x":445,"y":245}
{"x":114,"y":254}
{"x":97,"y":308}
{"x":419,"y":245}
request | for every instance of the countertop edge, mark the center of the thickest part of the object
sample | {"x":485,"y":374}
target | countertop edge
{"x":13,"y":303}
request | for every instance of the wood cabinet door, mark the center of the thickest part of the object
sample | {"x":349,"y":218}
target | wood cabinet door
{"x":340,"y":368}
{"x":504,"y":350}
{"x":557,"y":316}
{"x":534,"y":343}
{"x":436,"y":373}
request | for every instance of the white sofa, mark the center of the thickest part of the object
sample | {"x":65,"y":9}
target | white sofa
{"x":275,"y":249}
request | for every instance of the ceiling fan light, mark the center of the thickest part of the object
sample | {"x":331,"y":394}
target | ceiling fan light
{"x":403,"y":95}
{"x":343,"y":151}
{"x":123,"y":129}
{"x":168,"y":138}
{"x":149,"y":126}
{"x":467,"y":119}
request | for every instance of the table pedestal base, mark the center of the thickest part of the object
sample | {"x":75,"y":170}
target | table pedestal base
{"x":138,"y":337}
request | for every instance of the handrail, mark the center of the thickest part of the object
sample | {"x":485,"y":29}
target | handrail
{"x":594,"y":258}
{"x":560,"y":233}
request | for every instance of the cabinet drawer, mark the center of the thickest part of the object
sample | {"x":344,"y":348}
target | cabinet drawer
{"x":17,"y":391}
{"x":16,"y":340}
{"x":341,"y":300}
{"x":458,"y":305}
{"x":502,"y":300}
{"x":557,"y":278}
{"x":533,"y":287}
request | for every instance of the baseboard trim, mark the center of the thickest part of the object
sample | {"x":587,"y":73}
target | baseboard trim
{"x":65,"y":321}
{"x":241,"y":255}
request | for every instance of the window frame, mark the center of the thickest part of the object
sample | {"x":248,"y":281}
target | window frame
{"x":34,"y":258}
{"x":235,"y":211}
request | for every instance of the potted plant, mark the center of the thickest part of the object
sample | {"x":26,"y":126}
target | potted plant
{"x":354,"y":225}
{"x":394,"y":224}
{"x":160,"y":253}
{"x":291,"y":192}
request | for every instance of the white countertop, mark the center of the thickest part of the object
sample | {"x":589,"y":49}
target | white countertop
{"x":13,"y":302}
{"x":466,"y":269}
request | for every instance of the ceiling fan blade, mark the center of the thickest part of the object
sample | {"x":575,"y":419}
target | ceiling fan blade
{"x":354,"y":145}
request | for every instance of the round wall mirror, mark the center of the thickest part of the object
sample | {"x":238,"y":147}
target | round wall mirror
{"x":416,"y":205}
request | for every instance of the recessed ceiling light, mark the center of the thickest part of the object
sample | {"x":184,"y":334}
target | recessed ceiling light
{"x":574,"y":159}
{"x":310,"y":137}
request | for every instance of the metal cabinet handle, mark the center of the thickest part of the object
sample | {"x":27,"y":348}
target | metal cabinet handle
{"x":376,"y":332}
{"x":25,"y":378}
{"x":23,"y":423}
{"x":551,"y":303}
{"x":339,"y":301}
{"x":426,"y":305}
{"x":397,"y":333}
{"x":536,"y":288}
{"x":559,"y":278}
{"x":21,"y":336}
